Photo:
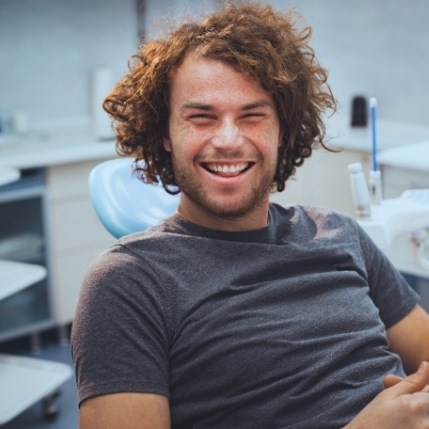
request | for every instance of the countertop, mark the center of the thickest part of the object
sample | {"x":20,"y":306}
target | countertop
{"x":63,"y":145}
{"x":390,"y":134}
{"x":71,"y":144}
{"x":410,"y":157}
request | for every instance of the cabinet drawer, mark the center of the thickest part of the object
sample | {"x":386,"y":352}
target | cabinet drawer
{"x":74,"y":225}
{"x":69,"y":180}
{"x":68,"y":275}
{"x":404,"y":179}
{"x":395,"y":181}
{"x":323,"y":181}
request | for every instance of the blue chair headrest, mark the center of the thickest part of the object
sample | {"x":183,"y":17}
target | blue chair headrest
{"x":123,"y":202}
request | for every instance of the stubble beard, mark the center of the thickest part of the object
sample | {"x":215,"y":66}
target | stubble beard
{"x":242,"y":206}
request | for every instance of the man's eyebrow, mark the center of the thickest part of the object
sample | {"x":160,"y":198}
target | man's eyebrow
{"x":207,"y":107}
{"x":257,"y":104}
{"x":196,"y":105}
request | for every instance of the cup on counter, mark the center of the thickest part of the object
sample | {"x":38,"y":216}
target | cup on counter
{"x":19,"y":121}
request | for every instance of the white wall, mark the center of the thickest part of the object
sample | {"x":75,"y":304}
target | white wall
{"x":162,"y":15}
{"x":49,"y":48}
{"x":375,"y":48}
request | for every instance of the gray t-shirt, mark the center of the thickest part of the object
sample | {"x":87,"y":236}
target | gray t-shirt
{"x":281,"y":327}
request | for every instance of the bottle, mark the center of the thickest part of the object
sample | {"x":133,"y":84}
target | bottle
{"x":360,"y":191}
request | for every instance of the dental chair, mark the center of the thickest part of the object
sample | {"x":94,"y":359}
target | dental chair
{"x":123,"y":202}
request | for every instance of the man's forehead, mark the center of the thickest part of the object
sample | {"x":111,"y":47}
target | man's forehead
{"x":194,"y":60}
{"x":201,"y":80}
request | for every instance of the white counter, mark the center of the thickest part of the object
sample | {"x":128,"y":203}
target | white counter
{"x":53,"y":147}
{"x":390,"y":134}
{"x":413,"y":157}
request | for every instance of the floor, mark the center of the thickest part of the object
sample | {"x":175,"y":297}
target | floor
{"x":33,"y":417}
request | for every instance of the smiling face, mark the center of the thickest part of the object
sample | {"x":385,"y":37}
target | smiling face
{"x":223,"y":136}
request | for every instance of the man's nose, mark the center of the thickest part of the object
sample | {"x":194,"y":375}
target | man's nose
{"x":227,"y":136}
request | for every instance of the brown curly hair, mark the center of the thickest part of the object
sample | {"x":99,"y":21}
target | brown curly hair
{"x":254,"y":40}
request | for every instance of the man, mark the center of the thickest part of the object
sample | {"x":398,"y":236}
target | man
{"x":235,"y":313}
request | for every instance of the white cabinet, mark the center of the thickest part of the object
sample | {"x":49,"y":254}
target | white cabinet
{"x":396,"y":180}
{"x":76,"y":234}
{"x":323,"y":181}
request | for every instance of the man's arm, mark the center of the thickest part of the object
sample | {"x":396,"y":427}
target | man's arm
{"x":409,"y":338}
{"x":404,"y":405}
{"x":405,"y":402}
{"x":125,"y":410}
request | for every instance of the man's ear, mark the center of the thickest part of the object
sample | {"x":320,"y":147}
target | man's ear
{"x":167,"y":144}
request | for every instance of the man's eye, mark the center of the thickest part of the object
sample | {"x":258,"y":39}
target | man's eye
{"x":202,"y":118}
{"x":253,"y":116}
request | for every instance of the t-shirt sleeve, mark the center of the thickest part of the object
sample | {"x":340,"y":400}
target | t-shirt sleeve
{"x":389,"y":289}
{"x":119,"y":334}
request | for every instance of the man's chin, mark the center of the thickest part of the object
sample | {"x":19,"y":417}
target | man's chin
{"x":229,"y":210}
{"x":232,"y":207}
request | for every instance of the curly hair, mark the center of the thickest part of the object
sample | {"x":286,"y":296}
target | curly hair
{"x":256,"y":41}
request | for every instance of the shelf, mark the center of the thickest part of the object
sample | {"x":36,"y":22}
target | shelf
{"x":21,"y":246}
{"x":25,"y":381}
{"x":8,"y":175}
{"x":15,"y":276}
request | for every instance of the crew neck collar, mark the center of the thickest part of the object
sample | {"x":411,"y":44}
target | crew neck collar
{"x":262,"y":235}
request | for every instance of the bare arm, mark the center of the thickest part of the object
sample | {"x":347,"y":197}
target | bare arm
{"x":125,"y":410}
{"x":409,"y":338}
{"x":402,"y":406}
{"x":405,"y":402}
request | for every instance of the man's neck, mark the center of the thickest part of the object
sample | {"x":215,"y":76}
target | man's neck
{"x":254,"y":219}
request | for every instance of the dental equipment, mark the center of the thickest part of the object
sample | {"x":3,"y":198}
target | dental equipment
{"x":360,"y":191}
{"x":384,"y":221}
{"x":375,"y":174}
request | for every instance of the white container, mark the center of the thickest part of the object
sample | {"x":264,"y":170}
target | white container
{"x":19,"y":121}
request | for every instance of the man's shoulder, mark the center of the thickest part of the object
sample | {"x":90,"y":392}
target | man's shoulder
{"x":304,"y":224}
{"x":143,"y":253}
{"x":302,"y":213}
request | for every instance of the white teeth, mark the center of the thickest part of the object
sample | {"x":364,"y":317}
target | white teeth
{"x":227,"y":168}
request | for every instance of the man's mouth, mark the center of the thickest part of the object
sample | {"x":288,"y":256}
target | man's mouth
{"x":227,"y":170}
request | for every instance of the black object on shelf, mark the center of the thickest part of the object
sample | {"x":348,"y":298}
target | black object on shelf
{"x":359,"y":112}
